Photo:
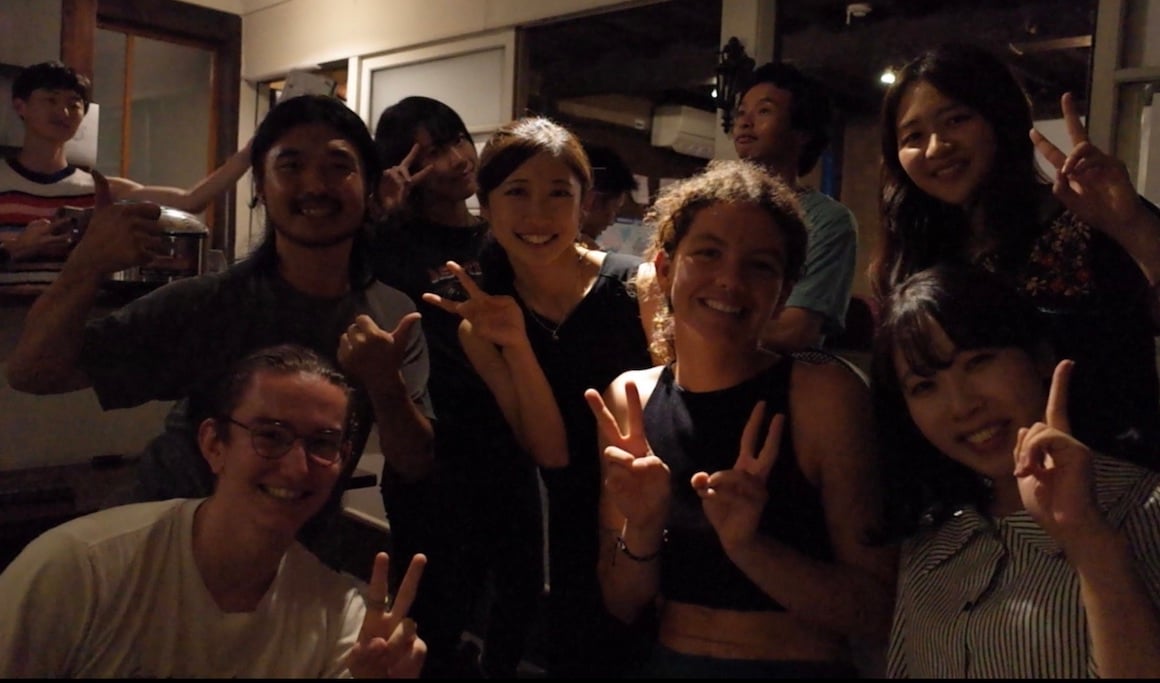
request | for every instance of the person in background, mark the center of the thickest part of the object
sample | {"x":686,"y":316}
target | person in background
{"x":1025,"y":554}
{"x":612,"y":183}
{"x":740,"y":484}
{"x":315,"y":165}
{"x":782,"y":123}
{"x":961,"y":185}
{"x":253,"y":602}
{"x":552,"y":319}
{"x":52,"y":99}
{"x":477,"y":516}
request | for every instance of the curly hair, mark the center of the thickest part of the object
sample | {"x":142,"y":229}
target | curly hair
{"x":722,"y":182}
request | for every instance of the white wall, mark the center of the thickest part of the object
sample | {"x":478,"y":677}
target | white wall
{"x":29,"y":32}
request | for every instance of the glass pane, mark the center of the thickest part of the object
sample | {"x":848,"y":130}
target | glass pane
{"x":108,"y":88}
{"x":1138,"y":137}
{"x":1141,"y":19}
{"x":170,"y":123}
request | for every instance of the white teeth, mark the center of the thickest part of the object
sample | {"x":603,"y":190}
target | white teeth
{"x":284,"y":494}
{"x":982,"y":435}
{"x":316,"y":212}
{"x":724,"y":308}
{"x":537,"y":239}
{"x":950,"y":170}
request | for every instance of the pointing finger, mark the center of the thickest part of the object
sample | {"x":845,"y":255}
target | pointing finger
{"x":1053,"y":154}
{"x":473,"y":290}
{"x":635,"y":410}
{"x":376,"y":598}
{"x":1056,"y":415}
{"x":605,"y":420}
{"x":409,"y":588}
{"x":745,"y":459}
{"x":1075,"y":127}
{"x":104,"y":196}
{"x":769,"y":450}
{"x":410,"y":158}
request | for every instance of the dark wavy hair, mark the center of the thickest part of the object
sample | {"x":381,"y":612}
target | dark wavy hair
{"x":52,"y":75}
{"x":918,"y":230}
{"x":331,"y":111}
{"x":810,"y":110}
{"x":976,"y":309}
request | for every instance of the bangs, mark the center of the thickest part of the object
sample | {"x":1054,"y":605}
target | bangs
{"x":914,"y":338}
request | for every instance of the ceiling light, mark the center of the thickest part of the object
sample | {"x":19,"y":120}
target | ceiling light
{"x":886,"y":77}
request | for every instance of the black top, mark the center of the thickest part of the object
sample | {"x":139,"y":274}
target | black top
{"x":600,"y":339}
{"x":701,"y":432}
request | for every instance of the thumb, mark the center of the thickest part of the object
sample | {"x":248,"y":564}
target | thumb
{"x":104,"y":196}
{"x":402,"y":331}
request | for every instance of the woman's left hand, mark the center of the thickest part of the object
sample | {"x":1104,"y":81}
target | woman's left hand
{"x":1091,"y":183}
{"x":388,"y":643}
{"x":734,"y":499}
{"x":1054,"y":471}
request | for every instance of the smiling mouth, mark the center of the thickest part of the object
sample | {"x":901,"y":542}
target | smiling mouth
{"x":283,"y":493}
{"x":722,"y":307}
{"x":537,"y":240}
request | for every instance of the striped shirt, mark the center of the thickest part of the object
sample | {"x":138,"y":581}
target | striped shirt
{"x":26,"y":196}
{"x":982,"y":598}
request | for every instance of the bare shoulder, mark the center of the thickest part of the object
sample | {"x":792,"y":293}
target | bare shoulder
{"x":645,"y":381}
{"x":826,"y":381}
{"x":832,"y":413}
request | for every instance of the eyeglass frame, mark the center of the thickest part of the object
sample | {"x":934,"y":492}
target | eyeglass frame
{"x":305,"y":439}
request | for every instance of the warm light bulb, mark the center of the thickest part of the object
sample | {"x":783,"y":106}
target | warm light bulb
{"x":714,"y":95}
{"x":887,"y":77}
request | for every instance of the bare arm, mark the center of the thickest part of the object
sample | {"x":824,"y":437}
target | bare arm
{"x":515,"y":378}
{"x":793,"y":329}
{"x":46,"y":357}
{"x":194,"y":199}
{"x":834,"y":439}
{"x":634,"y":498}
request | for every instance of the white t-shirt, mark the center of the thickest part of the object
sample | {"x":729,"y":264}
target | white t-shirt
{"x":117,"y":594}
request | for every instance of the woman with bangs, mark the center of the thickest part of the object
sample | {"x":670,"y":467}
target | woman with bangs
{"x":552,"y":319}
{"x":961,"y":185}
{"x":477,"y":515}
{"x":1024,"y":553}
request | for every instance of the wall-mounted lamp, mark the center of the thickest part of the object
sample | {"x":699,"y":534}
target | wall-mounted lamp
{"x":733,"y":67}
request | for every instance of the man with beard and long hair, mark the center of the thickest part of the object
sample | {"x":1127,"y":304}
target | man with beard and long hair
{"x":315,"y":166}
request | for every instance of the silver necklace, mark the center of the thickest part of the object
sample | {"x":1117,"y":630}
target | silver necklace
{"x":554,"y":330}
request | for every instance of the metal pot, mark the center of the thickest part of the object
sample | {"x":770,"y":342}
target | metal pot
{"x":185,"y":241}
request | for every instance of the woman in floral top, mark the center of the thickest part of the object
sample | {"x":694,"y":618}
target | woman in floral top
{"x":961,"y":185}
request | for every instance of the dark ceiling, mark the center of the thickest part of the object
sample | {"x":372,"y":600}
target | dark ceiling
{"x":666,"y":51}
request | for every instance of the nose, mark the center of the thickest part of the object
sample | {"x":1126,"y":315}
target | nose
{"x":742,"y":120}
{"x":964,"y":400}
{"x":312,"y":179}
{"x":937,"y":146}
{"x":296,"y":460}
{"x":729,"y":275}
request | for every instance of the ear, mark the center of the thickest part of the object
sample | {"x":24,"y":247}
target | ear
{"x":485,"y":213}
{"x":212,"y":447}
{"x":19,"y":105}
{"x":663,"y":266}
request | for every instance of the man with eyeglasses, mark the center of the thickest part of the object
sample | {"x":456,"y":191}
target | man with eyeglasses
{"x":218,"y":587}
{"x":315,"y":165}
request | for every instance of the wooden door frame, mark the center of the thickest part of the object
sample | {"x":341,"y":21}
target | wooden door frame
{"x":221,"y":32}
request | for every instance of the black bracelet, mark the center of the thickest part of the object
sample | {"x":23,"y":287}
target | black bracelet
{"x":623,"y":547}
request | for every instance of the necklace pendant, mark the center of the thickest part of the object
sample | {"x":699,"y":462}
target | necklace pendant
{"x":555,"y":335}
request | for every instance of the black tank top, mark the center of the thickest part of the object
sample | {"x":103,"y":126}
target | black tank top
{"x":695,"y":432}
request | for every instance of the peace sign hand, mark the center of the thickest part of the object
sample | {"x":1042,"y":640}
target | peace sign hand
{"x":734,"y":499}
{"x":1092,"y":184}
{"x":374,"y":356}
{"x":388,"y":644}
{"x":397,"y":182}
{"x":636,"y":480}
{"x":1054,"y":470}
{"x":497,"y":319}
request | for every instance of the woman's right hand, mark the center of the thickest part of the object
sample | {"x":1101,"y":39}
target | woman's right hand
{"x":396,"y":183}
{"x":497,"y":319}
{"x":636,"y":481}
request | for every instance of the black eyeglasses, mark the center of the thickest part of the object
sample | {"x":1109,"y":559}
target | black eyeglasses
{"x":272,"y":440}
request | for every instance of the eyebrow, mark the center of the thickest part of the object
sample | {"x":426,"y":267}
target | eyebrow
{"x":913,"y":121}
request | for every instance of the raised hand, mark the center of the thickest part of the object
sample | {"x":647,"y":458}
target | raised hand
{"x":497,"y":319}
{"x":734,"y":499}
{"x":398,"y":181}
{"x":637,"y":481}
{"x":1091,"y":183}
{"x":1054,"y":470}
{"x":373,"y":355}
{"x":388,"y":644}
{"x":118,"y":236}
